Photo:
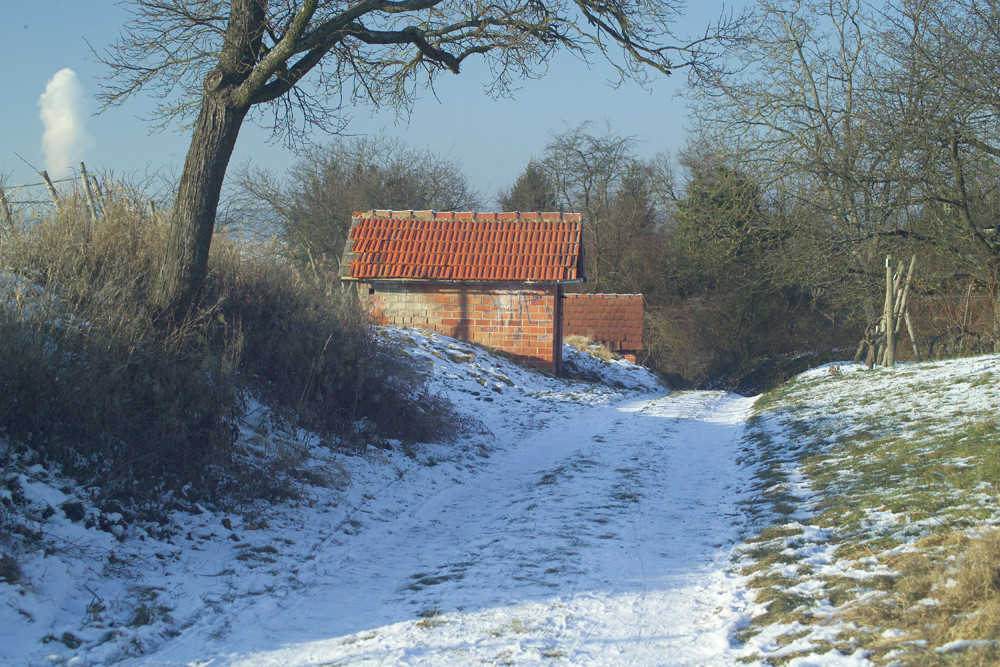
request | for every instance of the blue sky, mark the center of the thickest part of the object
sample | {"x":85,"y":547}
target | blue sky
{"x":492,"y":139}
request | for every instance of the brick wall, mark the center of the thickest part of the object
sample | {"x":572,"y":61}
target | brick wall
{"x":519,"y":321}
{"x":614,"y":320}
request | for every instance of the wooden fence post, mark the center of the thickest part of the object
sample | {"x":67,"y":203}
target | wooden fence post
{"x":890,"y":325}
{"x":98,"y":193}
{"x":51,"y":188}
{"x":90,"y":197}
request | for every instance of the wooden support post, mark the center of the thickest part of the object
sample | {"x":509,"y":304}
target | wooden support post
{"x":557,"y":330}
{"x":51,"y":188}
{"x":901,"y":304}
{"x":875,"y":349}
{"x":861,"y":348}
{"x":890,"y":325}
{"x":913,"y":339}
{"x":902,"y":312}
{"x":90,"y":197}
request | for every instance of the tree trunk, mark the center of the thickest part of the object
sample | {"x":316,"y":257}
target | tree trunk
{"x":193,"y":221}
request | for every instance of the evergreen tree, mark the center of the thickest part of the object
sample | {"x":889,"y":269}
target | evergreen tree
{"x":534,"y":190}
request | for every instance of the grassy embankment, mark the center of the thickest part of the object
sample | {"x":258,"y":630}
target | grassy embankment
{"x":881,"y":495}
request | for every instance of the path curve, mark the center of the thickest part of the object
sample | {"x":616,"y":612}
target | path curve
{"x":603,"y":536}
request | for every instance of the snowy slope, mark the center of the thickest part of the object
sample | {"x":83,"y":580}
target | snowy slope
{"x":572,"y":521}
{"x":884,"y":465}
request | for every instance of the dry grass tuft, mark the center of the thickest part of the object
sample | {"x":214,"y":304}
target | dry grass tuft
{"x":951,"y":597}
{"x":971,"y":599}
{"x":594,"y":349}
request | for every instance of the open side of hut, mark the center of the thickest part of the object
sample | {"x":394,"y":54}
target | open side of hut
{"x":614,"y":320}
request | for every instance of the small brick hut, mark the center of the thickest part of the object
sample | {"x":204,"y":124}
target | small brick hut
{"x":495,"y":279}
{"x":614,"y":320}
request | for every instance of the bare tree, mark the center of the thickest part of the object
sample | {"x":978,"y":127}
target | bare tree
{"x":945,"y":57}
{"x":217,"y":61}
{"x":312,"y":206}
{"x":597,"y":174}
{"x":800,"y":103}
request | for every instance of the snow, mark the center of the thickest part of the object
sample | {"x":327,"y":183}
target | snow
{"x":961,"y":645}
{"x":909,"y":401}
{"x":598,"y":517}
{"x":582,"y":522}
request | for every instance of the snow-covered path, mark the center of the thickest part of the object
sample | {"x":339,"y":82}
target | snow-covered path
{"x":601,"y":535}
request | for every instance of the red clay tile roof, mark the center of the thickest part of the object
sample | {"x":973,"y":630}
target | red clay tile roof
{"x":469,"y":247}
{"x":612,"y":319}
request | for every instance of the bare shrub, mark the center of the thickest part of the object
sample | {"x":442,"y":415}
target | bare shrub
{"x":95,"y":380}
{"x":679,"y":341}
{"x":314,"y":354}
{"x":10,"y":570}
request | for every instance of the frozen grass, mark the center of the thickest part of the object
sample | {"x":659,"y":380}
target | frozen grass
{"x":882,"y":489}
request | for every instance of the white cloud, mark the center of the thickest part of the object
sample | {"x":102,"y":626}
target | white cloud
{"x":64,"y":113}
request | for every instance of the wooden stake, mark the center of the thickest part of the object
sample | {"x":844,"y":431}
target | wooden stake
{"x":913,"y":339}
{"x":890,"y":325}
{"x":90,"y":196}
{"x":51,"y":188}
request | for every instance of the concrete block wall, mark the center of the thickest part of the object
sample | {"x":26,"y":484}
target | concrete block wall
{"x":517,"y":321}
